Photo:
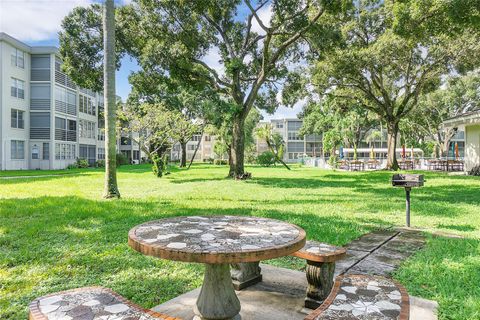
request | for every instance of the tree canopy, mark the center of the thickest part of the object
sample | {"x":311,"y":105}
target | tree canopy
{"x":383,"y":68}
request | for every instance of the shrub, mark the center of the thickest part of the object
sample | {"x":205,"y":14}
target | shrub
{"x":210,"y":160}
{"x":121,"y":159}
{"x":220,"y":162}
{"x":333,"y":161}
{"x":159,"y":166}
{"x":475,"y":171}
{"x":266,"y":159}
{"x":100,"y":164}
{"x":72,"y":166}
{"x":82,"y":163}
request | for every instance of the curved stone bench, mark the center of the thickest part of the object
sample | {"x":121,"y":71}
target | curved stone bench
{"x":364,"y":297}
{"x":321,"y":258}
{"x":89,"y":303}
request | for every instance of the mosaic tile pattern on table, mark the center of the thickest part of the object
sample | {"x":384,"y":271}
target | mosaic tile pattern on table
{"x":192,"y":238}
{"x":89,"y":304}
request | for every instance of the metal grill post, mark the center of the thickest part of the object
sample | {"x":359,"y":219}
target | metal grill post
{"x":407,"y":194}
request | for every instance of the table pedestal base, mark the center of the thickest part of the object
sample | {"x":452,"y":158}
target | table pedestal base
{"x":217,"y":299}
{"x":245,"y":274}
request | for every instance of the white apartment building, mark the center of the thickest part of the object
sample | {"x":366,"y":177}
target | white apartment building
{"x":46,"y":120}
{"x":204,"y":153}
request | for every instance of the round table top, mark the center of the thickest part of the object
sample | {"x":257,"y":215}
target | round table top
{"x":217,"y":239}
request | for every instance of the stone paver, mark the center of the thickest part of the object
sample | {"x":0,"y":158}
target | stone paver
{"x":371,"y":241}
{"x":383,"y":252}
{"x":352,"y":257}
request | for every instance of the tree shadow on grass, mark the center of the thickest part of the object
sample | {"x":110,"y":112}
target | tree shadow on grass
{"x":18,"y":180}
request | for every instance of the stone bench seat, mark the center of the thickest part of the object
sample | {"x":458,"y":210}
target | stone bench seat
{"x":364,"y":297}
{"x":90,"y":303}
{"x":320,"y":252}
{"x":321,"y":258}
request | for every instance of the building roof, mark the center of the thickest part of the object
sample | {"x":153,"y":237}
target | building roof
{"x":468,"y":118}
{"x":25,"y":47}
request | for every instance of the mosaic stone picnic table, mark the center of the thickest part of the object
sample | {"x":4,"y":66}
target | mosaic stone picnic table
{"x":217,"y":241}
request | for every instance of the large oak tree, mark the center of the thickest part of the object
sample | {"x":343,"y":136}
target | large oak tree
{"x":175,"y":37}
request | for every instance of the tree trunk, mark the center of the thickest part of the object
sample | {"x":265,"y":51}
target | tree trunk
{"x":230,"y":162}
{"x":196,"y":150}
{"x":238,"y":147}
{"x":183,"y":159}
{"x":111,"y":188}
{"x":392,"y":133}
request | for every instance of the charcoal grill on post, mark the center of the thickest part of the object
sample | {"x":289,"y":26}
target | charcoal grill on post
{"x":407,"y":181}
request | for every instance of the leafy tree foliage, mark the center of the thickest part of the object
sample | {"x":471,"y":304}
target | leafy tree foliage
{"x":393,"y":52}
{"x":156,"y":126}
{"x":460,"y":94}
{"x":340,"y":123}
{"x":174,"y":36}
{"x":274,"y":141}
{"x":223,"y":132}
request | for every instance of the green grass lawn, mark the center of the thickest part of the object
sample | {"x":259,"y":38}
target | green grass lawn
{"x":56,"y":233}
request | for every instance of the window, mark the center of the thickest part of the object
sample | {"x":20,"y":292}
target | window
{"x":86,"y":105}
{"x":294,"y":136}
{"x":136,"y":155}
{"x":18,"y":58}
{"x":192,"y":147}
{"x":208,"y":138}
{"x":295,"y":147}
{"x":46,"y":151}
{"x":35,"y":152}
{"x":65,"y":101}
{"x":125,"y":141}
{"x":101,"y":153}
{"x":65,"y":151}
{"x":40,"y":96}
{"x":86,"y":129}
{"x":88,"y":152}
{"x":101,"y":134}
{"x":17,"y":150}
{"x":39,"y":125}
{"x":40,"y":70}
{"x":17,"y":89}
{"x":279,"y":125}
{"x":65,"y":129}
{"x":294,"y":125}
{"x":17,"y":119}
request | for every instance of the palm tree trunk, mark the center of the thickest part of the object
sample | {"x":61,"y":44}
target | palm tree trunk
{"x":111,"y":188}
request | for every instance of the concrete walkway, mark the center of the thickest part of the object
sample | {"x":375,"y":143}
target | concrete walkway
{"x":380,"y":252}
{"x":281,"y":293}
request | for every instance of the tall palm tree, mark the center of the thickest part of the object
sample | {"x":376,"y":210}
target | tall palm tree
{"x":111,"y":188}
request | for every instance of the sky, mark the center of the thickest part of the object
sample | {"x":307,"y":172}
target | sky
{"x":37,"y":23}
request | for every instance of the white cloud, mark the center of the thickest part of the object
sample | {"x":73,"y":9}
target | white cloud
{"x":35,"y":20}
{"x":285,"y":112}
{"x":265,"y":14}
{"x":214,"y":60}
